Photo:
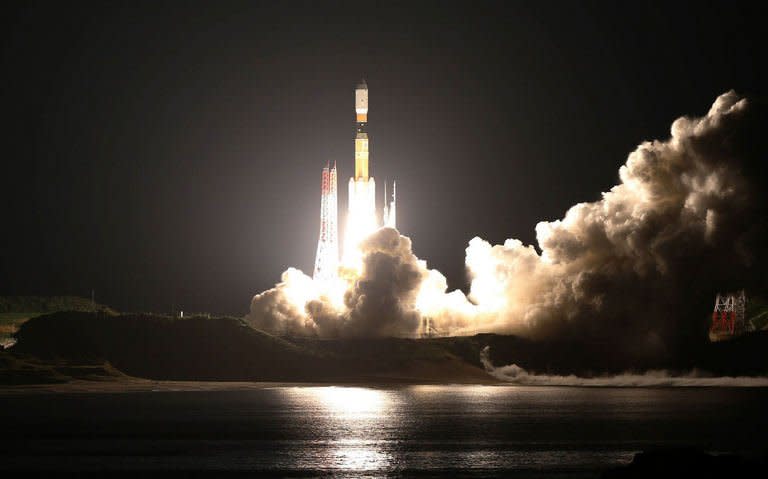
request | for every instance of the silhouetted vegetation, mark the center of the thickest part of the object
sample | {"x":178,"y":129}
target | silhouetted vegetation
{"x":201,"y":348}
{"x":64,"y":345}
{"x":49,"y":304}
{"x":15,"y":310}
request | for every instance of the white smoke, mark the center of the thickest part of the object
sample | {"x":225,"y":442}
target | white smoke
{"x":635,"y":270}
{"x":655,"y":378}
{"x":388,"y":297}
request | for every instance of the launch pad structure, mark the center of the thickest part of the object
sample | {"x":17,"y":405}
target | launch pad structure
{"x":729,"y":315}
{"x":327,"y":259}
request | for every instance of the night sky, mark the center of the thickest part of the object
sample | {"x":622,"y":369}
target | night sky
{"x":169,"y":155}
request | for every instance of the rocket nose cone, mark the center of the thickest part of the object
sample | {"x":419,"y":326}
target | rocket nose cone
{"x":362,"y":85}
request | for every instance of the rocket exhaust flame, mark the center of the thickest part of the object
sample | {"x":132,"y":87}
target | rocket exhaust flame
{"x":634,"y":271}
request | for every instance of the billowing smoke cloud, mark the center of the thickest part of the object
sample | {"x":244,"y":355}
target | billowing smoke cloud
{"x":655,"y":378}
{"x":382,"y":301}
{"x":638,"y":269}
{"x":379,"y":301}
{"x":635,"y":271}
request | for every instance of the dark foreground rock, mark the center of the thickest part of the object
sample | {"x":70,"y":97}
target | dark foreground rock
{"x":688,"y":463}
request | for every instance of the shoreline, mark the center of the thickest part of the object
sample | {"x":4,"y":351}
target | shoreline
{"x":130,"y":385}
{"x":139,"y":385}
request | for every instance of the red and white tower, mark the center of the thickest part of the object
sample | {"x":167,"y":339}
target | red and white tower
{"x":327,"y":260}
{"x":729,"y":316}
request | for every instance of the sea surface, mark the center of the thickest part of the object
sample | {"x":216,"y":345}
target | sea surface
{"x":432,"y":431}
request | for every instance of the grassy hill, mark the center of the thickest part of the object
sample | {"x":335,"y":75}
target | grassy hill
{"x":48,"y":304}
{"x":161,"y":347}
{"x":199,"y":348}
{"x":15,"y":310}
{"x":22,"y":369}
{"x":64,"y":345}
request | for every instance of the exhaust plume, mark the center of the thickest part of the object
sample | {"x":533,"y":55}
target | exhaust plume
{"x":634,"y":271}
{"x":378,"y":301}
{"x":637,"y":270}
{"x":655,"y":378}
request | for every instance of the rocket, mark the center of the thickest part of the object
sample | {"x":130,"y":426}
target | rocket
{"x":361,"y":216}
{"x":361,"y":138}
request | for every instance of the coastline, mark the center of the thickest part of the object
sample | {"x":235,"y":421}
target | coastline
{"x":132,"y":385}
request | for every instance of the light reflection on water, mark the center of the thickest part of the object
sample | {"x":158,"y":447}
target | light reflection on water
{"x":349,"y":403}
{"x":496,"y":428}
{"x":440,"y":431}
{"x":350,"y":414}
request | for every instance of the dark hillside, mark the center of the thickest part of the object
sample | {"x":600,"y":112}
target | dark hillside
{"x":48,"y":304}
{"x":198,"y":348}
{"x":160,"y":347}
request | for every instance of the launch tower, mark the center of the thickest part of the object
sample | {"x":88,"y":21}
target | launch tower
{"x":729,"y":316}
{"x":327,"y":260}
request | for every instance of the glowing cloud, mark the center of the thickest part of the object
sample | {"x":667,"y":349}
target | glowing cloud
{"x":635,"y":270}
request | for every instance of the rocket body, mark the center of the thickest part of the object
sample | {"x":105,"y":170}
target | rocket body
{"x":362,"y":219}
{"x":361,"y":137}
{"x":361,"y":214}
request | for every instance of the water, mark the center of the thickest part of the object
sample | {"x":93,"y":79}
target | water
{"x":374,"y":432}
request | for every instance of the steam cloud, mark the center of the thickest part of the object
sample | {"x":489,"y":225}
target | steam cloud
{"x":636,"y":270}
{"x":381,"y":301}
{"x":516,"y":375}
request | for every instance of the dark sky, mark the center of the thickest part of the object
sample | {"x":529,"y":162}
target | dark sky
{"x":169,"y":153}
